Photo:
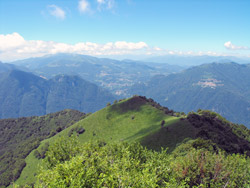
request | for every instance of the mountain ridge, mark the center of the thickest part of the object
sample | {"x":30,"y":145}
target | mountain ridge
{"x":111,"y":74}
{"x":25,"y":94}
{"x":139,"y":119}
{"x":189,"y":60}
{"x":208,"y":86}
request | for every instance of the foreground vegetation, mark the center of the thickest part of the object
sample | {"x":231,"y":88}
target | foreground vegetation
{"x":203,"y":149}
{"x":97,"y":164}
{"x":18,"y":137}
{"x":128,"y":120}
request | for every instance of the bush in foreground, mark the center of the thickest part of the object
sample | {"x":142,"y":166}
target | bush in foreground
{"x":70,"y":164}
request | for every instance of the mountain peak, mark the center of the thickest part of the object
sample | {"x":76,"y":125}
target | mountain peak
{"x":135,"y":103}
{"x":24,"y":77}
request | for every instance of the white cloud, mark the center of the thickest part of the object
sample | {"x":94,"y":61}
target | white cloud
{"x":86,"y":6}
{"x":100,"y":1}
{"x":83,"y":6}
{"x":130,"y":45}
{"x":11,"y":41}
{"x":171,"y":52}
{"x":14,"y":46}
{"x":110,"y":4}
{"x":157,"y":49}
{"x":105,"y":4}
{"x":57,"y":12}
{"x":231,"y":46}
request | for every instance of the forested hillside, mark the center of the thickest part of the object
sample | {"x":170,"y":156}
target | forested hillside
{"x":25,"y":94}
{"x":18,"y":137}
{"x":220,"y":87}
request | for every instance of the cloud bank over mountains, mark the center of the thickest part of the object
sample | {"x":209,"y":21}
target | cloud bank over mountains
{"x":14,"y":47}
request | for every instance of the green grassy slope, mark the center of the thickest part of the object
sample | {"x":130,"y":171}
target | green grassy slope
{"x":143,"y":120}
{"x":175,"y":133}
{"x":130,"y":120}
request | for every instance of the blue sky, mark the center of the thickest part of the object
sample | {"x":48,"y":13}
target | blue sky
{"x":118,"y":27}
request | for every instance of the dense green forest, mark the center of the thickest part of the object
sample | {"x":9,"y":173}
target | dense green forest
{"x":138,"y":143}
{"x":18,"y":137}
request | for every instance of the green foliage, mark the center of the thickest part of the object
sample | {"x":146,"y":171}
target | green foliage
{"x":240,"y":130}
{"x":116,"y":165}
{"x":62,"y":150}
{"x":177,"y":114}
{"x":226,"y":135}
{"x":40,"y":153}
{"x":86,"y":115}
{"x":18,"y":137}
{"x":183,"y":114}
{"x":199,"y":168}
{"x":96,"y":164}
{"x":211,"y":114}
{"x":78,"y":130}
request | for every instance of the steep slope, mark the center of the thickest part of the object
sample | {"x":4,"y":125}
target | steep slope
{"x":221,"y":87}
{"x":109,"y":73}
{"x":217,"y":132}
{"x":5,"y":67}
{"x":24,"y":94}
{"x":128,"y":120}
{"x":75,"y":93}
{"x":143,"y":120}
{"x":18,"y":137}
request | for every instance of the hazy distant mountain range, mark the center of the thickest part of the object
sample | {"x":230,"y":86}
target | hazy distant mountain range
{"x":221,"y":87}
{"x":25,"y":94}
{"x":111,"y":74}
{"x":5,"y":67}
{"x":188,"y":61}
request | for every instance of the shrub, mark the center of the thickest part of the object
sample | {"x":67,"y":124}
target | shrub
{"x":201,"y":168}
{"x":37,"y":154}
{"x":80,"y":130}
{"x":58,"y":129}
{"x":116,"y":165}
